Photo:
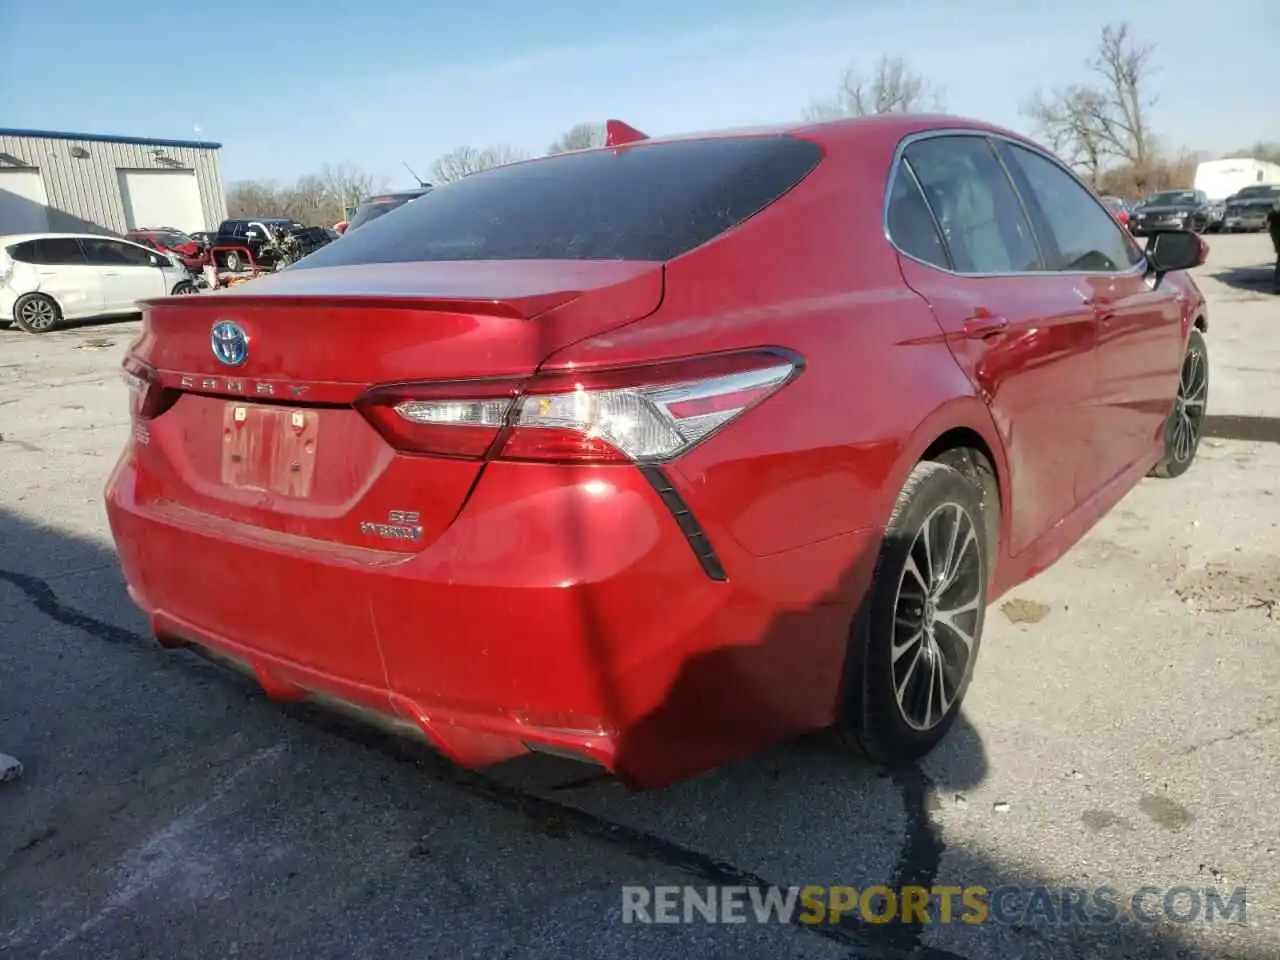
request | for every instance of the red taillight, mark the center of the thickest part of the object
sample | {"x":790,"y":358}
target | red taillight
{"x":147,"y":398}
{"x":645,"y":413}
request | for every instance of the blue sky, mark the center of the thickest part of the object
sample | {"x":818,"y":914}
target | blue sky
{"x":375,"y":83}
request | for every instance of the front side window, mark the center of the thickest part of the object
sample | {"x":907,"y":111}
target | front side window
{"x":1084,"y":234}
{"x":646,"y":202}
{"x":911,"y":225}
{"x":983,"y":222}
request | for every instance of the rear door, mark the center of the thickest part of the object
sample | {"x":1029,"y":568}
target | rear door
{"x":1139,"y":325}
{"x":126,"y":271}
{"x":1023,"y":335}
{"x":63,"y":272}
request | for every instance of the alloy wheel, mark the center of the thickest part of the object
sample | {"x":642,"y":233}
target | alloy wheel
{"x":936,"y":613}
{"x":38,"y":314}
{"x":1189,"y":406}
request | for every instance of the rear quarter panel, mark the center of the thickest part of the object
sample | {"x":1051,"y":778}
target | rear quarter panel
{"x":813,"y":273}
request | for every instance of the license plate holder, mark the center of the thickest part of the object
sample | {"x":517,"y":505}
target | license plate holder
{"x":269,"y":448}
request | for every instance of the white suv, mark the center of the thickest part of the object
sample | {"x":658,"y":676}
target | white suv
{"x":49,"y":277}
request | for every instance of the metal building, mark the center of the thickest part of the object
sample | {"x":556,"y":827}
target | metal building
{"x":91,"y":183}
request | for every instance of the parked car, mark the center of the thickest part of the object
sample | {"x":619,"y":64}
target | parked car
{"x":1248,"y":209}
{"x":1119,"y":208}
{"x":174,"y":243}
{"x":1171,"y":210}
{"x":259,"y":238}
{"x":46,"y":278}
{"x":675,"y":448}
{"x":382,"y":204}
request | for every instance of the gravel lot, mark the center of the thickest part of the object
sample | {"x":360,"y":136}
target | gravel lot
{"x":1125,"y":733}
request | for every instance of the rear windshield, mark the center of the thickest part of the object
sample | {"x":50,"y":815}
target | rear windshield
{"x":1171,"y":197}
{"x":644,"y":202}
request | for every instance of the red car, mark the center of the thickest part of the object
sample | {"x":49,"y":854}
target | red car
{"x":653,"y":454}
{"x":1119,"y":209}
{"x":193,"y":255}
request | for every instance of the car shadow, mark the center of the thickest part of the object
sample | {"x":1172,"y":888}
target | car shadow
{"x":169,"y":809}
{"x":80,"y":324}
{"x":1259,"y":279}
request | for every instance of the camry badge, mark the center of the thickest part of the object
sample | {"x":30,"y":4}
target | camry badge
{"x":230,"y":343}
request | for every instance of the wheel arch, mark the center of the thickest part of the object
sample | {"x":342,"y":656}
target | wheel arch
{"x":44,"y":293}
{"x":959,"y":424}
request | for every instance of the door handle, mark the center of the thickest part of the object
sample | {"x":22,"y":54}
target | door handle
{"x":1104,"y":308}
{"x":984,"y":325}
{"x":111,"y":273}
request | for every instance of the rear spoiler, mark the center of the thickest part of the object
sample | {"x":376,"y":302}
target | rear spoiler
{"x":512,"y":308}
{"x":617,"y":134}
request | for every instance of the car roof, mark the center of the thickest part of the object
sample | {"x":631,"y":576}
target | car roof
{"x":884,"y":128}
{"x":21,"y":237}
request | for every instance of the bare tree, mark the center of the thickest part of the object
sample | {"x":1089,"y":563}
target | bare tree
{"x":346,"y":185}
{"x":892,"y":87}
{"x":316,"y":198}
{"x":1106,"y":120}
{"x":464,"y":161}
{"x":253,"y":198}
{"x":1264,"y":150}
{"x":581,"y":136}
{"x":1067,"y":120}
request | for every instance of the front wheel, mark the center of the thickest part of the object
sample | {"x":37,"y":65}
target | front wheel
{"x":1183,"y":429}
{"x":36,"y":313}
{"x":183,"y":288}
{"x":234,"y":262}
{"x":915,"y":640}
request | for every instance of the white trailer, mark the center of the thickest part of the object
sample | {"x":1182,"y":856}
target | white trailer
{"x":1220,"y":179}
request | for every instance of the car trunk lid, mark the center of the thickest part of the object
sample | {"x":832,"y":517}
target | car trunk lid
{"x":273,"y":441}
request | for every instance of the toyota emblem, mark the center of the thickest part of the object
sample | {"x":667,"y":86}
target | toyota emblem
{"x":230,"y":343}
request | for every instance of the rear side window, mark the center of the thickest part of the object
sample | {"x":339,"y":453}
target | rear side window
{"x":1086,"y":236}
{"x":24,"y":252}
{"x":63,"y":251}
{"x":108,"y":253}
{"x":981,"y":217}
{"x":911,"y":225}
{"x":644,"y":202}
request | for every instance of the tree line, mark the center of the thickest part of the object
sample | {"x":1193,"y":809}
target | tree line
{"x":1100,"y":125}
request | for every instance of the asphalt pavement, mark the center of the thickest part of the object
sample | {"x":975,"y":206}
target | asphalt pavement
{"x":1123,"y":730}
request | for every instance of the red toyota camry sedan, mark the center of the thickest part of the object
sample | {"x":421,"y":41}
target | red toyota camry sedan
{"x":653,"y":454}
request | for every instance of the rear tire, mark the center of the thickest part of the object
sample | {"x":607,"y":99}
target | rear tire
{"x":1185,"y":425}
{"x":915,"y":639}
{"x":36,"y":313}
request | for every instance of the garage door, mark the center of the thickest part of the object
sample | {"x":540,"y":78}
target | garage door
{"x":161,"y":198}
{"x":24,"y":206}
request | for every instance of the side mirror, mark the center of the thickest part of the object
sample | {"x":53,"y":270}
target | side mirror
{"x":156,"y":260}
{"x":1176,"y":250}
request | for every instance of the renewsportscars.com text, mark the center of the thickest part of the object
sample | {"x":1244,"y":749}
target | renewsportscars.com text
{"x":938,"y":904}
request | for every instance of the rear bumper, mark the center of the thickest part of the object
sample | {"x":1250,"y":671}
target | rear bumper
{"x":563,"y":610}
{"x":1237,"y":221}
